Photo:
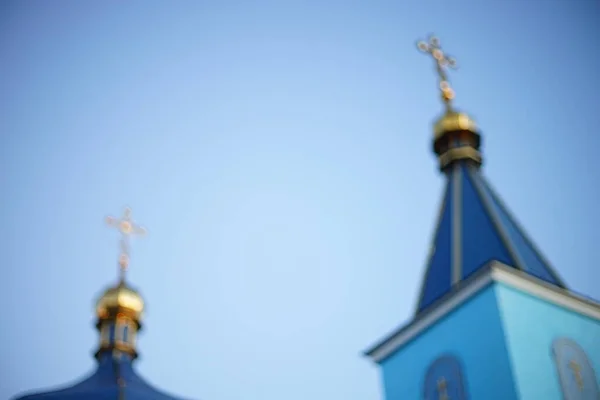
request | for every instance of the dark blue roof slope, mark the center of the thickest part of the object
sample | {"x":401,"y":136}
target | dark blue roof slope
{"x":113,"y":379}
{"x":474,"y":228}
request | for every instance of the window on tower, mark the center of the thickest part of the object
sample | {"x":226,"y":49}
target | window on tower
{"x":111,"y":333}
{"x":575,"y":372}
{"x":444,"y":380}
{"x":122,"y":331}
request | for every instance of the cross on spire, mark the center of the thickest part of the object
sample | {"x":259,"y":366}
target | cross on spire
{"x":126,"y":228}
{"x":442,"y":63}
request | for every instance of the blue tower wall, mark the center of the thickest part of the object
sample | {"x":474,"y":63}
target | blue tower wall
{"x":473,"y":333}
{"x":531,"y":325}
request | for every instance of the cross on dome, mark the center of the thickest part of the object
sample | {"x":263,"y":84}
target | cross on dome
{"x":127,"y":228}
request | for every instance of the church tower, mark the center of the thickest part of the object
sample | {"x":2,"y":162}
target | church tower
{"x":119,"y":312}
{"x":494,"y":321}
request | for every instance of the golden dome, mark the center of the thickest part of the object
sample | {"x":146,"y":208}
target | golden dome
{"x":453,"y":121}
{"x":120,"y":298}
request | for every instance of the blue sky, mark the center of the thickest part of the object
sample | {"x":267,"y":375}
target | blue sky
{"x":279,"y":154}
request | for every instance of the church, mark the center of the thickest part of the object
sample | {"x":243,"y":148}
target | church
{"x":494,"y":320}
{"x":119,"y":317}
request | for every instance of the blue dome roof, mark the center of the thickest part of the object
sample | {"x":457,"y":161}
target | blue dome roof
{"x":114,"y":378}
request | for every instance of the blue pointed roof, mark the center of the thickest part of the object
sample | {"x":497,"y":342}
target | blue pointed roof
{"x":474,"y":228}
{"x":114,"y":378}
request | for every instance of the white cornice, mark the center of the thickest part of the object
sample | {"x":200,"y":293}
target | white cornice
{"x":545,"y":291}
{"x":496,"y":272}
{"x":405,"y":334}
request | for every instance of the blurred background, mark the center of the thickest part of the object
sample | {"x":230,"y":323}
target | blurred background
{"x":279,"y":153}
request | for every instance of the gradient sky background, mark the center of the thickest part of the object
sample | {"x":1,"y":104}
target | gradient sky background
{"x":279,"y":154}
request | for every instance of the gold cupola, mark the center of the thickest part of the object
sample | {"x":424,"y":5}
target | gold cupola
{"x":120,"y":308}
{"x":456,"y":137}
{"x":121,"y":299}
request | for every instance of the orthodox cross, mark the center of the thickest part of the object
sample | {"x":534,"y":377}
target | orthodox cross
{"x":576,"y":368}
{"x":442,"y":62}
{"x":127,"y":228}
{"x":442,"y":389}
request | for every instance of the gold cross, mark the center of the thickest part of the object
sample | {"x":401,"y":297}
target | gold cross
{"x":127,"y":228}
{"x":442,"y":62}
{"x":577,"y":372}
{"x":442,"y":388}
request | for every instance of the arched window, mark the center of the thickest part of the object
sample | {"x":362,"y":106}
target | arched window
{"x":444,"y":380}
{"x":125,"y":333}
{"x":575,"y":372}
{"x":111,"y":333}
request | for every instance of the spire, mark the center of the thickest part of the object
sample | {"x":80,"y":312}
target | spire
{"x":474,"y":226}
{"x":455,"y":133}
{"x":119,"y":309}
